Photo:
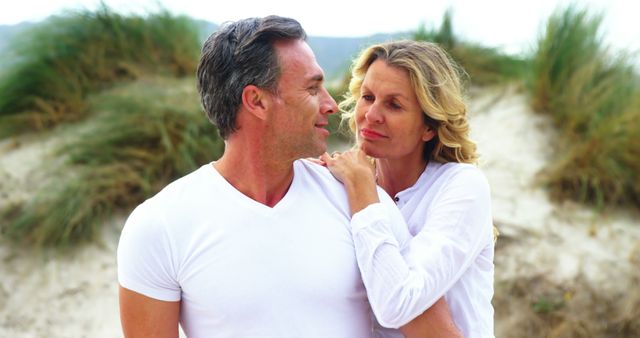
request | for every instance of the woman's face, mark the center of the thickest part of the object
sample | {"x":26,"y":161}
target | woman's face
{"x":389,"y":119}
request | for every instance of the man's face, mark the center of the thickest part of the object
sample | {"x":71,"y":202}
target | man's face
{"x":303,"y":105}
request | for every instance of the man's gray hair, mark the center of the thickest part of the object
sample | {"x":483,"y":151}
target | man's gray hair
{"x":239,"y":54}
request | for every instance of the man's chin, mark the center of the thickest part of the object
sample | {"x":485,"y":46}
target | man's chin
{"x":316,"y":151}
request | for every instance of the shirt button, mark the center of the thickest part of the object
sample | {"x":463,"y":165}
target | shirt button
{"x":397,"y":199}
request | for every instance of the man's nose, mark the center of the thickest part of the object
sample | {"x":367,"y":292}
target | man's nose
{"x":329,"y":105}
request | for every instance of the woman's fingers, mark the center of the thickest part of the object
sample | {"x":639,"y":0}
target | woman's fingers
{"x":325,"y":157}
{"x":316,"y":161}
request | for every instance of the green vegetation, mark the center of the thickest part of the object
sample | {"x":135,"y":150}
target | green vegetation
{"x":64,"y":59}
{"x":145,"y":135}
{"x":545,"y":305}
{"x":485,"y":65}
{"x":140,"y":135}
{"x":539,"y":306}
{"x":594,"y":99}
{"x":339,"y":128}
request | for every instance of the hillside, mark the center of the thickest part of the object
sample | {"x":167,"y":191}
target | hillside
{"x":333,"y":53}
{"x":7,"y":35}
{"x":8,"y":32}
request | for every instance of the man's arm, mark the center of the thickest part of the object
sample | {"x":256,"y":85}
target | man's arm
{"x":142,"y":316}
{"x":436,"y":322}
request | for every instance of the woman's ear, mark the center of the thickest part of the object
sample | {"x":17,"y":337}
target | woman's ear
{"x":256,"y":101}
{"x":428,"y":134}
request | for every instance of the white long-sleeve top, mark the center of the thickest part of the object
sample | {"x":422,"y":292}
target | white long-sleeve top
{"x":448,"y":213}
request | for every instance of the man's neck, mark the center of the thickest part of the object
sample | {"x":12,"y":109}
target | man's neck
{"x":256,"y":172}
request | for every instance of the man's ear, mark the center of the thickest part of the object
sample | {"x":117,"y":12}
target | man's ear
{"x":256,"y":101}
{"x":428,"y":134}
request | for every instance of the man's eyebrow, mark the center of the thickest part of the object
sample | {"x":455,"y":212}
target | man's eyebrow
{"x":317,"y":78}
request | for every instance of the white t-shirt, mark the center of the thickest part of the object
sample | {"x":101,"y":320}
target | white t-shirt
{"x":448,"y":211}
{"x":242,"y":269}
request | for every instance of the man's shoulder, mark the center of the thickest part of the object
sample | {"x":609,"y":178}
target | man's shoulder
{"x":186,"y":186}
{"x":178,"y":200}
{"x":316,"y":172}
{"x":330,"y":185}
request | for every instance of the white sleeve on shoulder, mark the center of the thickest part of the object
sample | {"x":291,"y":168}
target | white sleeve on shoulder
{"x":145,"y":264}
{"x":402,"y":282}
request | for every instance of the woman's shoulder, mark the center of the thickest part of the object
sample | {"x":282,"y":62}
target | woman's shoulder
{"x":461,"y":173}
{"x":455,"y":168}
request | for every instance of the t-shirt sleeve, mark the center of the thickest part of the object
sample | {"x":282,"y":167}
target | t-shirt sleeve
{"x":403,"y":281}
{"x":145,"y":263}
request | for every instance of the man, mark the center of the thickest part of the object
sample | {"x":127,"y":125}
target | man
{"x":253,"y":245}
{"x":256,"y":244}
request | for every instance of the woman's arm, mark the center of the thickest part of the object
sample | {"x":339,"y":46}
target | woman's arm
{"x":402,"y":282}
{"x":436,"y":322}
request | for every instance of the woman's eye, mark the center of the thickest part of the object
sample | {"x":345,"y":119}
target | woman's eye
{"x":394,"y":105}
{"x":367,"y":98}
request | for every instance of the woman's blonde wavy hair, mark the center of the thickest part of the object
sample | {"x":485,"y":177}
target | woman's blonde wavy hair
{"x":436,"y":79}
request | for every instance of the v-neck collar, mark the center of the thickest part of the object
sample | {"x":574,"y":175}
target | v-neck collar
{"x":246,"y":202}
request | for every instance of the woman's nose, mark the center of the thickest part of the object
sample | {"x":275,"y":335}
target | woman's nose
{"x":374,"y":115}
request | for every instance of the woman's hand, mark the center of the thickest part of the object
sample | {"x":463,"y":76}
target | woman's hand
{"x":356,"y":171}
{"x":349,"y":166}
{"x":316,"y":160}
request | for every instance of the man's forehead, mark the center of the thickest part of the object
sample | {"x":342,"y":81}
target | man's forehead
{"x":297,"y":58}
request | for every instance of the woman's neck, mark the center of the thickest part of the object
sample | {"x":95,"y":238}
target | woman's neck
{"x":395,"y":175}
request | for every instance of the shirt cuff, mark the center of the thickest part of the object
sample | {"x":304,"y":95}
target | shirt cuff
{"x":372,"y":214}
{"x":383,"y":221}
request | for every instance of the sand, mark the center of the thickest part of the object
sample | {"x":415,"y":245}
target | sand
{"x":53,"y":295}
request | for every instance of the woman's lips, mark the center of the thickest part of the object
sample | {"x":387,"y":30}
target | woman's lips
{"x":371,"y":134}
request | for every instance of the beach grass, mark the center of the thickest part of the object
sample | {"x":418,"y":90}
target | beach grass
{"x":538,"y":306}
{"x":69,"y":56}
{"x":144,"y":135}
{"x":592,"y":94}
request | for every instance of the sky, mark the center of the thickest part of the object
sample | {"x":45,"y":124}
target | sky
{"x":511,"y":25}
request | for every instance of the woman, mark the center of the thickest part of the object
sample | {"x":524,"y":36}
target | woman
{"x":406,"y":108}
